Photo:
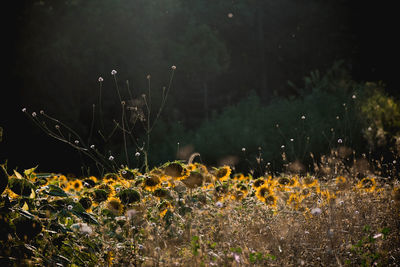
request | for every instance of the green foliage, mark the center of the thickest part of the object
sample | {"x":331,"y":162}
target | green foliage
{"x":195,"y":245}
{"x":314,"y":122}
{"x":332,"y":111}
{"x":381,"y":113}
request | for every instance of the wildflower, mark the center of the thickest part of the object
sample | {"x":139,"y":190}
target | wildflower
{"x":101,"y":78}
{"x":243,"y":149}
{"x":230,"y":15}
{"x":34,"y":114}
{"x":219,"y":204}
{"x":377,"y":236}
{"x":340,"y":141}
{"x":113,"y":72}
{"x":24,"y":110}
{"x":303,"y":117}
{"x":316,"y":211}
{"x":69,"y":207}
{"x":92,"y":146}
{"x":173,"y":67}
{"x":137,"y":154}
{"x":76,"y":142}
{"x":111,"y":158}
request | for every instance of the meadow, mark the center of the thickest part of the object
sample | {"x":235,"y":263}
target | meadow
{"x":340,"y":208}
{"x":188,"y":214}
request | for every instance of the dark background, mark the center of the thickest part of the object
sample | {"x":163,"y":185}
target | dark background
{"x":56,"y":50}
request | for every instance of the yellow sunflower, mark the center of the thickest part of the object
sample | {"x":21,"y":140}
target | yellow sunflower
{"x":294,"y":200}
{"x":77,"y":185}
{"x":327,"y":196}
{"x":175,"y":170}
{"x":238,"y":177}
{"x":164,"y":207}
{"x":367,"y":185}
{"x":262,"y":192}
{"x":115,"y":206}
{"x":151,"y":183}
{"x":310,"y":182}
{"x":238,"y":195}
{"x":110,"y":181}
{"x":294,"y":182}
{"x":271,"y":201}
{"x":223,"y":173}
{"x":258,"y":182}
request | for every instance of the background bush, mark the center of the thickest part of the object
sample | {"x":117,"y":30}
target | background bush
{"x":337,"y":112}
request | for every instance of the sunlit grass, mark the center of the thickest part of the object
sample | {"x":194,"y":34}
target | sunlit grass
{"x":189,"y":214}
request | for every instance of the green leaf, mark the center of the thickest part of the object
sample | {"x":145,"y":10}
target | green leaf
{"x":29,"y":172}
{"x":55,"y":191}
{"x":270,"y":256}
{"x":21,"y":187}
{"x":89,"y":218}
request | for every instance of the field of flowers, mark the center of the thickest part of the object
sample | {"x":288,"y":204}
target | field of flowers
{"x":182,"y":214}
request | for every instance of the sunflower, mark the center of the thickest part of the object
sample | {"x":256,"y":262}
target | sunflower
{"x":367,"y":184}
{"x":151,"y":183}
{"x":201,"y":168}
{"x":110,"y":175}
{"x":340,"y":182}
{"x":238,"y":177}
{"x":77,"y":185}
{"x":62,"y":180}
{"x":259,"y":182}
{"x":284,"y":181}
{"x":305,"y":192}
{"x":114,"y":205}
{"x":86,"y":203}
{"x":164,"y":207}
{"x":242,"y":187}
{"x":161,"y":193}
{"x":110,"y":181}
{"x":294,"y":200}
{"x":238,"y":195}
{"x":271,"y":200}
{"x":175,"y":170}
{"x":262,"y":192}
{"x":310,"y":182}
{"x":327,"y":196}
{"x":195,"y":179}
{"x":223,"y":173}
{"x":294,"y":182}
{"x":396,"y":194}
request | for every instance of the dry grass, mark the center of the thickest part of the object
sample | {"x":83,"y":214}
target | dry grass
{"x":228,"y":220}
